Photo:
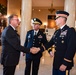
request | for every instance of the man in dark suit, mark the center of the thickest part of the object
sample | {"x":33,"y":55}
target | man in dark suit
{"x":64,"y":41}
{"x":11,"y":47}
{"x":34,"y":38}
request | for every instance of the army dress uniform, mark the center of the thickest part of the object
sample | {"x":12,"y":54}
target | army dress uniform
{"x":64,"y":41}
{"x":64,"y":47}
{"x":34,"y":40}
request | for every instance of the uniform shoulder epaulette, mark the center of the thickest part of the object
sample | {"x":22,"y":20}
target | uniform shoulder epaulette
{"x":29,"y":31}
{"x":72,"y":28}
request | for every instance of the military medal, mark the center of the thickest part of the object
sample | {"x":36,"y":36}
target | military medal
{"x":40,"y":36}
{"x":63,"y":33}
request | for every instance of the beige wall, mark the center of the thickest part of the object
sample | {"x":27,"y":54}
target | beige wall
{"x":43,"y":13}
{"x":4,"y":2}
{"x":75,"y":14}
{"x":13,"y":7}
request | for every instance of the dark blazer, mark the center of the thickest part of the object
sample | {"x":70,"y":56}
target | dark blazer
{"x":64,"y":41}
{"x":11,"y":47}
{"x":34,"y":41}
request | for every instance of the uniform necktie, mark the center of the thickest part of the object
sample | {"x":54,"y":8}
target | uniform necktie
{"x":35,"y":33}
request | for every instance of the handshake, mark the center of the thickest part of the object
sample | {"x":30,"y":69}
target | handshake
{"x":34,"y":50}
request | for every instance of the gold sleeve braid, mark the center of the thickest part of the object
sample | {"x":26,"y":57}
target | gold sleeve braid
{"x":49,"y":49}
{"x":67,"y":60}
{"x":44,"y":47}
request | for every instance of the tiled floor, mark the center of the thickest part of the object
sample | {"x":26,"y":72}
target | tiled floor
{"x":45,"y":66}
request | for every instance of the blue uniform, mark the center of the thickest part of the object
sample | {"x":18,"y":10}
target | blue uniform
{"x":34,"y":59}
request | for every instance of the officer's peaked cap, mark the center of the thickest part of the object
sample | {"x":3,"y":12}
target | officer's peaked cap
{"x":36,"y":21}
{"x":62,"y":13}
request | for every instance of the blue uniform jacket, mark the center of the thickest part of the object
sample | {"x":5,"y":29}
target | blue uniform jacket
{"x":34,"y":41}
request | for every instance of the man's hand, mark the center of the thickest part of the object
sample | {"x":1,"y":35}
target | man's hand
{"x":23,"y":54}
{"x":51,"y":54}
{"x":34,"y":50}
{"x":62,"y":67}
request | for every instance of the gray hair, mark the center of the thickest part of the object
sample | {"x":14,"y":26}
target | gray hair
{"x":10,"y":17}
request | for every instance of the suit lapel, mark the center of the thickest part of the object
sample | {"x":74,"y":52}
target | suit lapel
{"x":12,"y":29}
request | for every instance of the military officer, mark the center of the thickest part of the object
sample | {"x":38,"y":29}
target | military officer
{"x":34,"y":38}
{"x":64,"y":41}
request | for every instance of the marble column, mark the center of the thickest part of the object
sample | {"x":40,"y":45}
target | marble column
{"x":26,"y":12}
{"x":13,"y":7}
{"x":70,"y":7}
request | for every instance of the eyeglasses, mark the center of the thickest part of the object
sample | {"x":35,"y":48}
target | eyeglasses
{"x":36,"y":23}
{"x":16,"y":19}
{"x":59,"y":17}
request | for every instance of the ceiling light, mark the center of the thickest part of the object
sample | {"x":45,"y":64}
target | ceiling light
{"x":51,"y":9}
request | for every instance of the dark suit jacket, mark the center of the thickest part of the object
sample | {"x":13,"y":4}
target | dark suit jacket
{"x":64,"y":41}
{"x":34,"y":41}
{"x":11,"y":47}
